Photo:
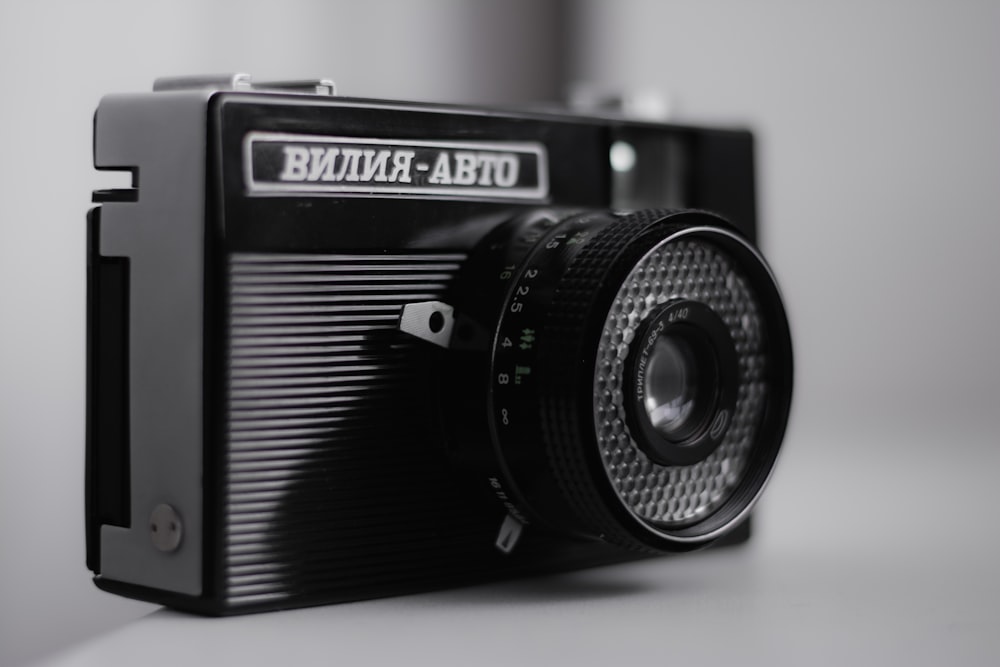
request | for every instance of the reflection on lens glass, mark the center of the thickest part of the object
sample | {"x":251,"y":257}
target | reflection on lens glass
{"x":671,"y":385}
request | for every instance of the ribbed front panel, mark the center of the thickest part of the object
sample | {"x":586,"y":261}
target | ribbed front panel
{"x":335,"y":477}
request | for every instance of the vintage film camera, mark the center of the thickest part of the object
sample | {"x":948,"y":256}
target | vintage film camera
{"x":344,"y":348}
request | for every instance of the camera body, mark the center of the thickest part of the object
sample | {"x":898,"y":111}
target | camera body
{"x":314,"y":343}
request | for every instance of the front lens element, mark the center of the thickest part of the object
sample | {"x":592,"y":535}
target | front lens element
{"x":671,"y":385}
{"x":680,"y":382}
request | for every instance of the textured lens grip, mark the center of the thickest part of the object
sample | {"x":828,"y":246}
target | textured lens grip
{"x":576,"y":315}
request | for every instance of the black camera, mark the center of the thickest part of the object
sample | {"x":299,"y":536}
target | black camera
{"x":343,"y":348}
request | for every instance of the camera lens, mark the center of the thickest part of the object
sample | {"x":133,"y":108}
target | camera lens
{"x":639,"y":374}
{"x":681,"y":372}
{"x":671,"y":385}
{"x":679,"y":378}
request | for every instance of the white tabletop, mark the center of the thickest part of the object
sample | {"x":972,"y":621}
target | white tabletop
{"x":868,"y":549}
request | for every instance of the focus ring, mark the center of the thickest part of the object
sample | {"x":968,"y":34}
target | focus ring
{"x":575,"y":318}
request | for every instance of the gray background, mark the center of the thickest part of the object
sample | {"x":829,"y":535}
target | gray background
{"x":879,"y":165}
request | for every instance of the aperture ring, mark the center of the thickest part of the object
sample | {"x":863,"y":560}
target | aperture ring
{"x":516,"y":368}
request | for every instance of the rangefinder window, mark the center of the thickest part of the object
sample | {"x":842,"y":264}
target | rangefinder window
{"x":416,"y":346}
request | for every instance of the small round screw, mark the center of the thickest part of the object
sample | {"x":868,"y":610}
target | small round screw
{"x":165,"y":528}
{"x":436,"y":321}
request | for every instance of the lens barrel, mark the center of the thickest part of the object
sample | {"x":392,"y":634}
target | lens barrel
{"x":640,"y":373}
